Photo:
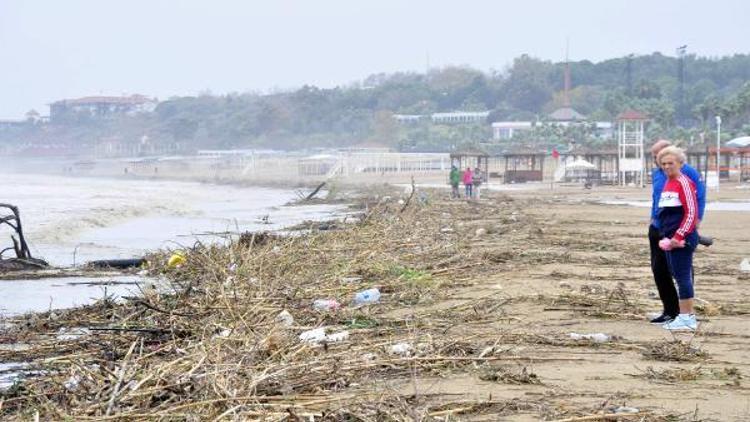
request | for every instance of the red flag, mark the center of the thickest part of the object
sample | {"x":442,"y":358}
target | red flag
{"x":555,"y":154}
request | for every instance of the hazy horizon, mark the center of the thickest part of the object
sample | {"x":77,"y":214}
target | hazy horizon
{"x":57,"y":50}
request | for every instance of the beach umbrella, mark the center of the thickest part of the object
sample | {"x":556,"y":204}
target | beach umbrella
{"x":580,"y":164}
{"x":741,"y":142}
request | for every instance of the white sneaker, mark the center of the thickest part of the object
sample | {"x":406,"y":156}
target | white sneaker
{"x":683,"y":322}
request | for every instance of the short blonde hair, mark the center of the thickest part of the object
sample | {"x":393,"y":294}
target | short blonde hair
{"x":674,"y":151}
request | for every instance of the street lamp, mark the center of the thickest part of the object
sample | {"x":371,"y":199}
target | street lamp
{"x":718,"y":151}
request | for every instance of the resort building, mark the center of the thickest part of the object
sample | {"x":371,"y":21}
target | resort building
{"x":101,"y":106}
{"x":506,"y":130}
{"x":454,"y":117}
{"x":460,"y":117}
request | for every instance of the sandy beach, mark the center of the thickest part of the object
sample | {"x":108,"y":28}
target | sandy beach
{"x":525,"y":305}
{"x":585,"y":248}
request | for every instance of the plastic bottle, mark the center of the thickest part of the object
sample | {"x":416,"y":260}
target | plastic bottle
{"x":368,"y":296}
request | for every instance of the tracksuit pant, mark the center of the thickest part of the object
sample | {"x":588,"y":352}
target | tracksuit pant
{"x":668,"y":267}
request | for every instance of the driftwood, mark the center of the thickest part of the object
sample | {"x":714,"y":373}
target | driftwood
{"x":117,"y":263}
{"x":20,"y":246}
{"x":315,"y":191}
{"x":23,"y":259}
{"x":411,"y":195}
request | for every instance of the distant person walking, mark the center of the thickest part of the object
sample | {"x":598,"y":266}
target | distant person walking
{"x":659,"y":266}
{"x":476,"y":181}
{"x":678,"y":219}
{"x":455,"y":180}
{"x":468,"y":180}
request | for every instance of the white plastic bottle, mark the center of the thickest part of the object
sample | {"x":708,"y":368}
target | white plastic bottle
{"x":367,"y":297}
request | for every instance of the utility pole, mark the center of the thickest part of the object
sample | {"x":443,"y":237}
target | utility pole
{"x":718,"y":152}
{"x":566,"y":80}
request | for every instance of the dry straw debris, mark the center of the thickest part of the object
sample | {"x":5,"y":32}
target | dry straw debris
{"x":211,"y":343}
{"x":674,"y":350}
{"x":232,"y":333}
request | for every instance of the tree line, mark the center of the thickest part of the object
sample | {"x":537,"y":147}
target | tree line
{"x":527,"y":89}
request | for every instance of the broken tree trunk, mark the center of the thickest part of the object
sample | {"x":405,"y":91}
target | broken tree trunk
{"x":20,"y":246}
{"x":315,"y":192}
{"x":23,"y":259}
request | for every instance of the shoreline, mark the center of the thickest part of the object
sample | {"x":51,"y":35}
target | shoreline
{"x":356,"y":182}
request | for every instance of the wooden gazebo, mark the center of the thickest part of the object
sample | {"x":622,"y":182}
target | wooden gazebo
{"x":523,"y":166}
{"x":734,"y":161}
{"x":604,"y":158}
{"x":473,"y":157}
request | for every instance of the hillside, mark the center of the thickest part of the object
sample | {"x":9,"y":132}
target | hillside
{"x":528,"y":89}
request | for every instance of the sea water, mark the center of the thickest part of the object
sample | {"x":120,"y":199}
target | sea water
{"x":71,"y":220}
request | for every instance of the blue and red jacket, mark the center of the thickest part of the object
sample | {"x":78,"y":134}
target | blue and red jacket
{"x":658,"y":179}
{"x":678,"y":208}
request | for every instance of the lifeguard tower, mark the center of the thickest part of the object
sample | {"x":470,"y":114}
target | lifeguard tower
{"x":630,"y":158}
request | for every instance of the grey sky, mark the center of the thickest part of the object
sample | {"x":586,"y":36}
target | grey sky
{"x":64,"y":49}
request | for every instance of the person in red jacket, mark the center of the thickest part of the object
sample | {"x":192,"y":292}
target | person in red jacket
{"x":678,"y":216}
{"x":468,"y":179}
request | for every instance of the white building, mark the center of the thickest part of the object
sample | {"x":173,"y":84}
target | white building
{"x":460,"y":117}
{"x":506,"y":130}
{"x":563,"y":117}
{"x":408,"y":118}
{"x":100,"y":106}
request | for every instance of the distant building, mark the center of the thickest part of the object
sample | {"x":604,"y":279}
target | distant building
{"x":454,"y":117}
{"x":460,"y":117}
{"x":506,"y":130}
{"x":566,"y":114}
{"x":101,"y":106}
{"x":408,"y":118}
{"x":6,"y":124}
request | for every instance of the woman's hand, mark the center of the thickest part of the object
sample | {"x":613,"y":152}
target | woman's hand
{"x":676,"y":243}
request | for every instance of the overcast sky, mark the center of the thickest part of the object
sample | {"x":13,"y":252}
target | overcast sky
{"x":59,"y":49}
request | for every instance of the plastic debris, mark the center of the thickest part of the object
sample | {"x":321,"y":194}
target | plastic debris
{"x":318,"y":335}
{"x":10,"y":372}
{"x":313,"y":336}
{"x":337,"y":337}
{"x":367,"y":297}
{"x":402,"y":349}
{"x":326,"y":304}
{"x":745,"y":265}
{"x":68,"y":334}
{"x":351,"y":279}
{"x":285,"y":318}
{"x":177,"y":259}
{"x":595,"y":337}
{"x":72,"y":383}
